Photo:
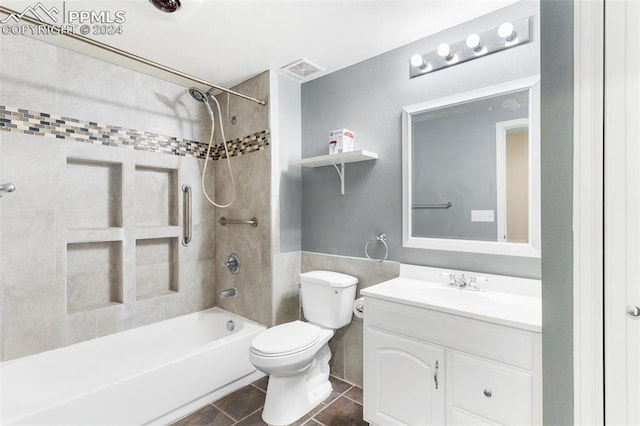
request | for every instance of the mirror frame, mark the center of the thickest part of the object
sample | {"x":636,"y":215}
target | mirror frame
{"x":530,"y":249}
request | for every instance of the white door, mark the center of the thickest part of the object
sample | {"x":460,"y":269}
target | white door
{"x":512,"y":177}
{"x":622,"y":211}
{"x":404,"y":381}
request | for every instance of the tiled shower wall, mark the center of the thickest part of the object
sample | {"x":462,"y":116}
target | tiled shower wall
{"x":90,"y":241}
{"x":252,"y":199}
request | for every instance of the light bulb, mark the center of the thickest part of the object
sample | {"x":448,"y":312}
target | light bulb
{"x":417,"y":61}
{"x":506,"y":31}
{"x":445,"y":52}
{"x":473,"y":42}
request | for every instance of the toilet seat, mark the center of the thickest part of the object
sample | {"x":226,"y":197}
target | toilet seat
{"x":286,"y":339}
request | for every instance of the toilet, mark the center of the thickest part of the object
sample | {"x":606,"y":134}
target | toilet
{"x":296,"y":354}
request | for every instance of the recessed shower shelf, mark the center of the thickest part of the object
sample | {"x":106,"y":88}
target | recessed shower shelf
{"x":94,"y":274}
{"x":94,"y":235}
{"x":154,"y":295}
{"x":156,"y":267}
{"x":152,"y":232}
{"x":336,"y":160}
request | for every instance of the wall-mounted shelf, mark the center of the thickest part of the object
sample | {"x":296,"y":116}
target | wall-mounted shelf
{"x":339,"y":159}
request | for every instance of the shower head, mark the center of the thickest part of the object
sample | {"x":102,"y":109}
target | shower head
{"x":203,"y":97}
{"x":198,"y":94}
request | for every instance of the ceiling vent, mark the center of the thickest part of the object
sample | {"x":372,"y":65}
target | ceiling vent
{"x":302,"y":68}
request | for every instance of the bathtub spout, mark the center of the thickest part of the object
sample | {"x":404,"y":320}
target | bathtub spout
{"x":230,"y":292}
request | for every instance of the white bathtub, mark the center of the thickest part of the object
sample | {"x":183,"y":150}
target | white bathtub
{"x":152,"y":374}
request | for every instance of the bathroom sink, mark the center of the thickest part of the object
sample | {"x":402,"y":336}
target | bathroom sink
{"x":506,"y":308}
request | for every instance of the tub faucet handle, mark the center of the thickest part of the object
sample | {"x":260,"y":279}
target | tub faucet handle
{"x":232,"y":264}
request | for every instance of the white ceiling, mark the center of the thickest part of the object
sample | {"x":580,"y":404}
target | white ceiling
{"x":228,"y":41}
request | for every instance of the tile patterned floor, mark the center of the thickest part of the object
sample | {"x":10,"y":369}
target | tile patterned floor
{"x":244,"y":408}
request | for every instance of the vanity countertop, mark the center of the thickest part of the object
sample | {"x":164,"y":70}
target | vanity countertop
{"x":500,"y":307}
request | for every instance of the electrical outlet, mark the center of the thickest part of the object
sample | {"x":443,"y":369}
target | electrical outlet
{"x":482,"y":216}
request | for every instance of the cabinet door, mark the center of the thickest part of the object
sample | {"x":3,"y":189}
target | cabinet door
{"x":403,"y":380}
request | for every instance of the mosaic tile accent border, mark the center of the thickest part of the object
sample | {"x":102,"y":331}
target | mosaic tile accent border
{"x":58,"y":127}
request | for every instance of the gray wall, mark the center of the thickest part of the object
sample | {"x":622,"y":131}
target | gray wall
{"x":557,"y":211}
{"x":368,"y":98}
{"x":454,"y":159}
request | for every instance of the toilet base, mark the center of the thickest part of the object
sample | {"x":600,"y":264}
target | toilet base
{"x":291,"y":397}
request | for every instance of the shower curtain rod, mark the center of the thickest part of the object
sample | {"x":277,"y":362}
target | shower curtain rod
{"x":59,"y":30}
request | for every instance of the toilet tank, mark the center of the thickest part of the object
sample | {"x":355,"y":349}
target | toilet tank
{"x":327,"y":298}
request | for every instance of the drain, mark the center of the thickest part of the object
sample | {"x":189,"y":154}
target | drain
{"x":230,"y":325}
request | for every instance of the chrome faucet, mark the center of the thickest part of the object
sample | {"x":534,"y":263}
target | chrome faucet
{"x":229,"y":292}
{"x":232,"y":264}
{"x":462,"y":282}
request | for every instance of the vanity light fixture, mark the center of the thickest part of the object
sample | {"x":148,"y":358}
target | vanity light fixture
{"x":505,"y":36}
{"x":445,"y":52}
{"x":418,"y":61}
{"x":507,"y":31}
{"x":474,"y":43}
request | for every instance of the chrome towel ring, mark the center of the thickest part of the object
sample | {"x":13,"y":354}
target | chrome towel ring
{"x":382,"y":238}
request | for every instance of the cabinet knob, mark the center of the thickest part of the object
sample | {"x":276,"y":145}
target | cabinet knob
{"x":487,"y":393}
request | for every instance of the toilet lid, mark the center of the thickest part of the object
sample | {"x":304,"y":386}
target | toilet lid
{"x":286,"y":338}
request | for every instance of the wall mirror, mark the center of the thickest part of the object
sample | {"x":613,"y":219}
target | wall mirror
{"x":471,"y":171}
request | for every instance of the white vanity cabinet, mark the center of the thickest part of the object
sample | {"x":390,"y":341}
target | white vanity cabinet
{"x":424,"y":366}
{"x":404,"y":384}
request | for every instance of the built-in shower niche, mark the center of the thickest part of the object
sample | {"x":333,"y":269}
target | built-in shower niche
{"x":157,"y":231}
{"x":94,"y":275}
{"x":156,"y":267}
{"x":93,"y":194}
{"x":156,"y":196}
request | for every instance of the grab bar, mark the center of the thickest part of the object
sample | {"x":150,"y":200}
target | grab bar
{"x":224,"y":221}
{"x":446,"y":205}
{"x":186,"y":205}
